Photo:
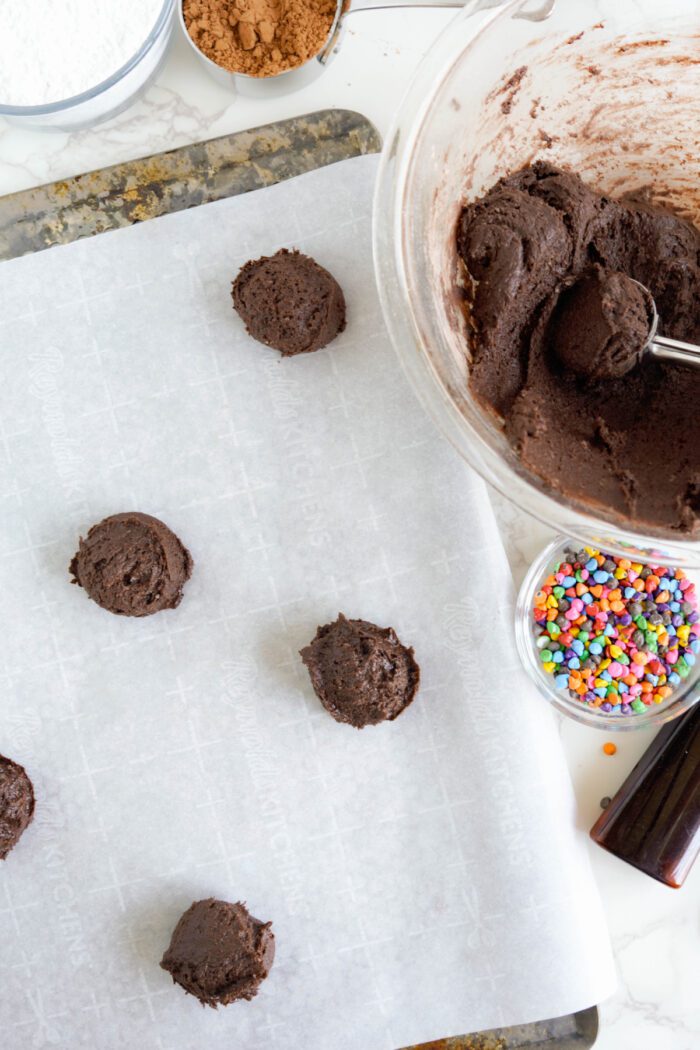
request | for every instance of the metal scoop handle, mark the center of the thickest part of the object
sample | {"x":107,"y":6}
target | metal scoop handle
{"x":674,"y":350}
{"x":663,"y":348}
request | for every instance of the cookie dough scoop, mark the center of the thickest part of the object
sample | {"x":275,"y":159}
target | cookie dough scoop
{"x":603,"y":324}
{"x":132,"y":564}
{"x":16,"y":804}
{"x":219,"y":953}
{"x":289,"y":302}
{"x":665,"y":349}
{"x":361,"y":673}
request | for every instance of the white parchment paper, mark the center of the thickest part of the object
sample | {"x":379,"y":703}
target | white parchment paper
{"x":424,"y":877}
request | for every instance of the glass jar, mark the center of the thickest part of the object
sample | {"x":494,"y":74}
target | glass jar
{"x":683,"y":696}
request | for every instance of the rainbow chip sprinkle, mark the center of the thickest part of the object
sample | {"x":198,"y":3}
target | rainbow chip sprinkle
{"x":618,"y":635}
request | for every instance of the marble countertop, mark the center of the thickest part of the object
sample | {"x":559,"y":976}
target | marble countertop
{"x":654,"y":929}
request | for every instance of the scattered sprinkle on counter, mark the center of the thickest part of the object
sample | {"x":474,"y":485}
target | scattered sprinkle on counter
{"x":619,"y":636}
{"x":610,"y":748}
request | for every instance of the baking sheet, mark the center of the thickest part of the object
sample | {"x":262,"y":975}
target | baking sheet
{"x":424,"y":877}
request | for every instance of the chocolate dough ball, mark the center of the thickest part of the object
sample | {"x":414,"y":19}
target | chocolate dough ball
{"x":16,"y":804}
{"x":219,"y":952}
{"x":289,"y":302}
{"x":132,"y":565}
{"x":361,"y":673}
{"x":600,"y":325}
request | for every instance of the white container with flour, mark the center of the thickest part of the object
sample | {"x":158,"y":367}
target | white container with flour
{"x":69,"y":64}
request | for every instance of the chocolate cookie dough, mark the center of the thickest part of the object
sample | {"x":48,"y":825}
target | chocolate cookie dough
{"x":219,"y":953}
{"x":289,"y":302}
{"x":600,"y":324}
{"x":361,"y":673}
{"x":132,"y":565}
{"x":16,"y":804}
{"x":629,"y":445}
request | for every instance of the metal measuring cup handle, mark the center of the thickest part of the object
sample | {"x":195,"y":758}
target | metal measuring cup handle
{"x":301,"y":76}
{"x":539,"y":13}
{"x":543,"y":8}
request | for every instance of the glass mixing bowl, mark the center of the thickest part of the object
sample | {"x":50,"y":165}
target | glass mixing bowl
{"x":111,"y":95}
{"x":607,"y":88}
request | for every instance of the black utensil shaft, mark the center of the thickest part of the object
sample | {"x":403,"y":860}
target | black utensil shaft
{"x":653,"y":822}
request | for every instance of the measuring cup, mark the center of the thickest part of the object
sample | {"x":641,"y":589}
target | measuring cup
{"x":300,"y":76}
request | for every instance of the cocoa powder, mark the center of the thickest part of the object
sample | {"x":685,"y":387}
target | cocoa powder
{"x":259,"y":37}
